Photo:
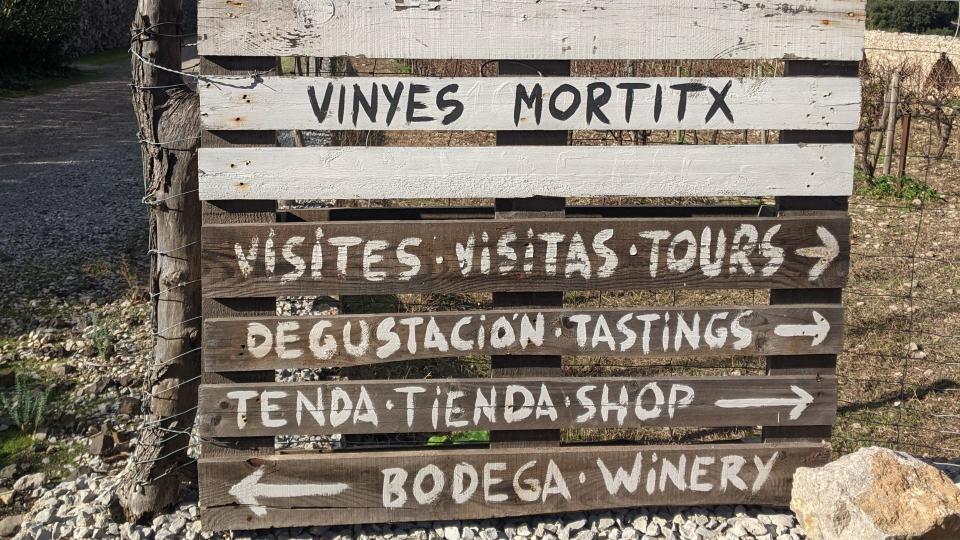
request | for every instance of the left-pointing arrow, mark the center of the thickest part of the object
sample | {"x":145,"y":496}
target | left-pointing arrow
{"x":819,"y":330}
{"x":798,"y":403}
{"x":249,"y":491}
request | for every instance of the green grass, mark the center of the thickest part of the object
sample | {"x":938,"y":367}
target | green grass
{"x":904,"y":188}
{"x":38,"y":80}
{"x":15,"y":447}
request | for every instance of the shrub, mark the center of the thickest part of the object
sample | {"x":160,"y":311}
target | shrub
{"x":28,"y":404}
{"x":913,"y":17}
{"x":102,"y":338}
{"x":33,"y":32}
{"x":892,"y":187}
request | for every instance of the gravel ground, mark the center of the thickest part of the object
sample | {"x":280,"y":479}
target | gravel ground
{"x":70,"y":179}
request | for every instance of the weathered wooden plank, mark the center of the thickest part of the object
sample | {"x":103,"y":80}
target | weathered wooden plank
{"x":257,"y":343}
{"x":299,"y":490}
{"x":535,"y":255}
{"x":417,"y":406}
{"x":488,"y":212}
{"x":528,"y":29}
{"x":531,"y":103}
{"x":476,"y":172}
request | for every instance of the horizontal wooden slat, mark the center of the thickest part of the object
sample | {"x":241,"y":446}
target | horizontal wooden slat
{"x":299,"y":490}
{"x":576,"y":171}
{"x":417,"y":406}
{"x":258,"y":343}
{"x":414,"y":213}
{"x":532,"y":255}
{"x":529,"y":103}
{"x":528,"y":29}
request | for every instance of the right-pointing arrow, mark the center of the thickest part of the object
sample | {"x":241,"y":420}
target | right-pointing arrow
{"x":819,"y":330}
{"x":798,"y":403}
{"x":826,"y":253}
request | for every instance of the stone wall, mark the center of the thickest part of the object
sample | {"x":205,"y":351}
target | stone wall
{"x":105,"y":24}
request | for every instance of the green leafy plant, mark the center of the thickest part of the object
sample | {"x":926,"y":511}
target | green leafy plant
{"x":34,"y":33}
{"x":913,"y":17}
{"x":896,"y":187}
{"x":28,"y":404}
{"x":462,"y":437}
{"x":102,"y":339}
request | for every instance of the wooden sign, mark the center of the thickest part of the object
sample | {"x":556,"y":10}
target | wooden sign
{"x":262,"y":343}
{"x":528,"y":255}
{"x":528,"y":29}
{"x":537,"y":255}
{"x":418,"y":406}
{"x":477,"y":172}
{"x":531,"y":103}
{"x":299,"y":490}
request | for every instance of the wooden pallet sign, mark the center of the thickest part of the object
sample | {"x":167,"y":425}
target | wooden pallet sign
{"x":525,"y":252}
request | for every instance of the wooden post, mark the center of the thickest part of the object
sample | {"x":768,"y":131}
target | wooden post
{"x":872,"y":168}
{"x":891,"y":122}
{"x":535,"y":207}
{"x":226,"y":212}
{"x":166,"y":110}
{"x":812,"y":364}
{"x":904,"y":144}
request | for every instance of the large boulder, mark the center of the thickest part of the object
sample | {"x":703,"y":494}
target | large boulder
{"x":876,"y":494}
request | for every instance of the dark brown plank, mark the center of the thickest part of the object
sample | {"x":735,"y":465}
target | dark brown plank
{"x":440,"y":257}
{"x":812,"y":363}
{"x":257,"y":343}
{"x":281,"y":491}
{"x":419,"y":406}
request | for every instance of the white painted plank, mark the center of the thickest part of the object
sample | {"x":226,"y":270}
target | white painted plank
{"x":471,"y":172}
{"x":529,"y":103}
{"x":532,"y":29}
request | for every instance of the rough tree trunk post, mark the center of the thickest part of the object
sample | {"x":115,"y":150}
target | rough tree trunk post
{"x":167,"y":112}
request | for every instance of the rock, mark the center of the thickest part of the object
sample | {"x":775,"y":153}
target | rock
{"x":7,"y":377}
{"x":29,"y":482}
{"x":63,"y":370}
{"x":6,"y":497}
{"x":10,"y":525}
{"x":451,"y":533}
{"x":7,"y":473}
{"x":45,"y":516}
{"x":103,"y":443}
{"x":753,"y":526}
{"x":129,"y":405}
{"x":876,"y":494}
